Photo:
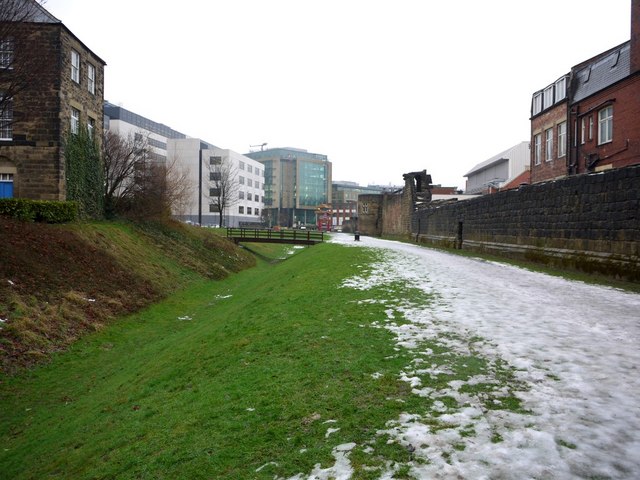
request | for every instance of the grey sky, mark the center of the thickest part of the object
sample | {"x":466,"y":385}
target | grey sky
{"x":381,"y":87}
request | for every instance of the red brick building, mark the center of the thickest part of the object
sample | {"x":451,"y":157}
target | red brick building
{"x":587,"y":120}
{"x":61,"y":90}
{"x":549,"y":131}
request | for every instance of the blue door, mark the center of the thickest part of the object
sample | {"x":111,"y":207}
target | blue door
{"x":6,"y":189}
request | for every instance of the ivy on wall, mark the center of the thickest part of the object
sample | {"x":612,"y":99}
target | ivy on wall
{"x":84,"y":174}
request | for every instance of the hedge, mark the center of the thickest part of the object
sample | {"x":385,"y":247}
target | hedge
{"x":46,"y":211}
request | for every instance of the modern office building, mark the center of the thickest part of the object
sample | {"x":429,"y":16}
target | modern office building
{"x":222,"y":180}
{"x":296,"y":182}
{"x":126,"y":124}
{"x":219,"y":178}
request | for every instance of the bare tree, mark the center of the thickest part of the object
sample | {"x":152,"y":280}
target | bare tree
{"x":179,"y":187}
{"x":140,"y":183}
{"x":123,"y":158}
{"x":223,"y":181}
{"x":21,"y":61}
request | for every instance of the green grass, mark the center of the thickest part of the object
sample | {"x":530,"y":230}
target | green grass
{"x":225,"y":377}
{"x":237,"y":383}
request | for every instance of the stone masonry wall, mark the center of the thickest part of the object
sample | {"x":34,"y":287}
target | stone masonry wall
{"x":585,"y":221}
{"x":370,"y":214}
{"x":42,"y":113}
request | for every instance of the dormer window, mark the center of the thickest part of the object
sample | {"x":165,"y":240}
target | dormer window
{"x":537,"y":103}
{"x":548,"y":96}
{"x":561,"y":89}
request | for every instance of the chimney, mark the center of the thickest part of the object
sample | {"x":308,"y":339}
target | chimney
{"x":635,"y":36}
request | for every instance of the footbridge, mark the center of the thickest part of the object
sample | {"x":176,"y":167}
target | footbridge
{"x":296,"y":237}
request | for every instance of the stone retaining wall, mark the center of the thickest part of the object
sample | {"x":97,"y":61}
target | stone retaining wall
{"x":590,"y":222}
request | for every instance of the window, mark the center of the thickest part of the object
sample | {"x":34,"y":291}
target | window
{"x":215,"y":160}
{"x":241,"y":165}
{"x":537,"y":103}
{"x":249,"y":196}
{"x":241,"y":180}
{"x":249,"y":182}
{"x":6,"y":118}
{"x":91,"y":126}
{"x":583,"y":130}
{"x":548,"y":96}
{"x":91,"y":78}
{"x":75,"y":66}
{"x":258,"y":172}
{"x":75,"y":120}
{"x":256,"y":211}
{"x":249,"y":169}
{"x":241,"y":195}
{"x":548,"y":146}
{"x":562,"y":139}
{"x":537,"y":148}
{"x":6,"y":53}
{"x":591,"y":127}
{"x":248,"y":210}
{"x":241,"y":209}
{"x":214,"y":192}
{"x":561,"y":89}
{"x":605,"y":125}
{"x":215,"y":176}
{"x":214,"y":207}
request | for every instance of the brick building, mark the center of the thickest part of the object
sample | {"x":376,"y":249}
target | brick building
{"x":587,"y":121}
{"x":62,"y":91}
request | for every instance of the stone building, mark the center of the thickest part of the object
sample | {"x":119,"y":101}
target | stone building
{"x":62,"y":90}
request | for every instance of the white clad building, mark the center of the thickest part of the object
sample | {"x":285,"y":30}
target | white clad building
{"x":127,"y":124}
{"x":201,"y":161}
{"x":499,"y":170}
{"x":205,"y":164}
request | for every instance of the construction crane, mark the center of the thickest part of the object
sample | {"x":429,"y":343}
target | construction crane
{"x":262,"y":145}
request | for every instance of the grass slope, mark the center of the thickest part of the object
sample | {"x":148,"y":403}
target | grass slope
{"x":214,"y":382}
{"x":58,"y":282}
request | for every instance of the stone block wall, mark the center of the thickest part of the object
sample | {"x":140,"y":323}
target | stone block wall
{"x":586,"y":221}
{"x":370,"y":214}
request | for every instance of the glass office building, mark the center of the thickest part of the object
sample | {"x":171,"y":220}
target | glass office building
{"x":296,"y":182}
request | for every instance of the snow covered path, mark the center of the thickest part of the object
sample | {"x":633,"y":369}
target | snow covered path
{"x":574,"y":348}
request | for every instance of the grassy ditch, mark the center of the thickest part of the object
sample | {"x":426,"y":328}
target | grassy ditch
{"x":260,"y":375}
{"x":58,"y":282}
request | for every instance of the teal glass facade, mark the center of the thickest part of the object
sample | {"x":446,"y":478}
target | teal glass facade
{"x":296,"y":183}
{"x":312,"y":184}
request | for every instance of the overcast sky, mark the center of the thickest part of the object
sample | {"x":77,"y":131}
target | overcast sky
{"x":381,"y":87}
